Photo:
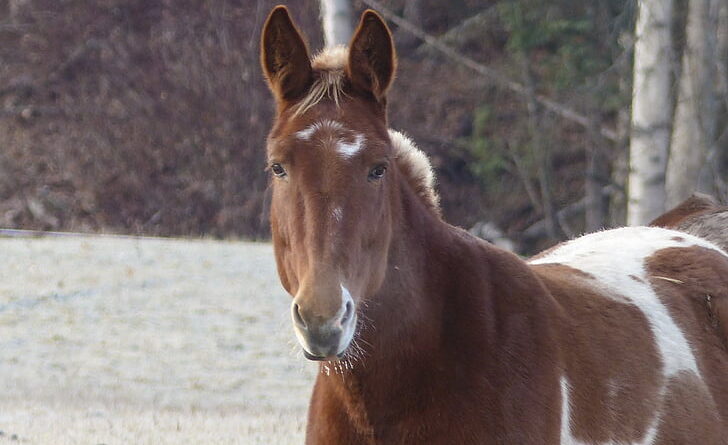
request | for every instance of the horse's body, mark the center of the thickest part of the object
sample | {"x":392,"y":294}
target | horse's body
{"x":583,"y":345}
{"x":431,"y":336}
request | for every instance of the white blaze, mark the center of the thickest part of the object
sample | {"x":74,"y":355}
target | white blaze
{"x":308,"y":132}
{"x":347,"y":149}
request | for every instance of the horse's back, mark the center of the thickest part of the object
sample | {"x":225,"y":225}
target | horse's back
{"x":643,"y":340}
{"x":700,"y":215}
{"x":712,"y":226}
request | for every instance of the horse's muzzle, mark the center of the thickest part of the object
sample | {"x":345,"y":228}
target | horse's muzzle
{"x":325,"y":339}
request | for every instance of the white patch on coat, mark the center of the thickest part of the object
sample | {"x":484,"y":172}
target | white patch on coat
{"x":337,"y":214}
{"x":611,"y":257}
{"x":349,"y":149}
{"x":567,"y":438}
{"x":308,"y":132}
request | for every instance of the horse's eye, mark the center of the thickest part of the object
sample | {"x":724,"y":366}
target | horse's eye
{"x":278,"y":170}
{"x":378,"y":172}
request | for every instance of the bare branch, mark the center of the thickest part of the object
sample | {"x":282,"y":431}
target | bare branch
{"x":522,"y":173}
{"x":538,"y":229}
{"x":470,"y":28}
{"x":496,"y":77}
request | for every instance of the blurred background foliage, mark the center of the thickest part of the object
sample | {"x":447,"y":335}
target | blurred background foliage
{"x":150,"y":116}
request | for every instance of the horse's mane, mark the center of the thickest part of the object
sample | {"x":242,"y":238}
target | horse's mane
{"x":416,"y":166}
{"x":328,"y":66}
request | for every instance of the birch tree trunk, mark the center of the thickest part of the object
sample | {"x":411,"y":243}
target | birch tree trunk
{"x":694,"y":125}
{"x":718,"y":154}
{"x":337,"y":21}
{"x":651,"y":111}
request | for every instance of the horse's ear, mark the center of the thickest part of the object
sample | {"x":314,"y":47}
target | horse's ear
{"x":284,"y":57}
{"x":372,"y":60}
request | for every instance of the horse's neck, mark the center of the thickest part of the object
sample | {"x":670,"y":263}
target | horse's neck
{"x":455,"y":325}
{"x":408,"y":306}
{"x":403,"y":326}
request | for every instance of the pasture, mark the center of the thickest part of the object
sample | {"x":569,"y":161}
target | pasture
{"x":108,"y":340}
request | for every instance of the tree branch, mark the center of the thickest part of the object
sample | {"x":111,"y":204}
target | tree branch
{"x":538,"y":229}
{"x":496,"y":77}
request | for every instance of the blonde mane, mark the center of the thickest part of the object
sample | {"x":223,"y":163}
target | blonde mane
{"x":328,"y":66}
{"x":416,"y":166}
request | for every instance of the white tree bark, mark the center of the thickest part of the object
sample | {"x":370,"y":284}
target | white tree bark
{"x":337,"y":20}
{"x":713,"y":177}
{"x":651,"y":111}
{"x":694,"y":125}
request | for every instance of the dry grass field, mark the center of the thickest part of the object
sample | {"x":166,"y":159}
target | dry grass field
{"x":135,"y":341}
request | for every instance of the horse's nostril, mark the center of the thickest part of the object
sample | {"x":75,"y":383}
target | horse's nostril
{"x":347,"y":312}
{"x":297,"y":317}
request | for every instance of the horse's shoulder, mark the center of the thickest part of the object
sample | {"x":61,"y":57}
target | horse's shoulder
{"x":624,"y":250}
{"x":666,"y":274}
{"x":636,"y":264}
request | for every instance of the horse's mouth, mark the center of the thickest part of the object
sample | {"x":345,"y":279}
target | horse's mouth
{"x":319,"y":358}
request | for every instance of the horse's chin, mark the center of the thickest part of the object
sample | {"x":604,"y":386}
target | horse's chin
{"x":318,"y":358}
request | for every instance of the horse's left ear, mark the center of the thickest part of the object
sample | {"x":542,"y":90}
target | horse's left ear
{"x":372,"y":60}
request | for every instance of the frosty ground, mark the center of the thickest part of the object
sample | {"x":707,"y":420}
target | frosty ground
{"x":109,"y":340}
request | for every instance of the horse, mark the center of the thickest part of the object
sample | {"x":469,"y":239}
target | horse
{"x":700,"y":215}
{"x":426,"y":334}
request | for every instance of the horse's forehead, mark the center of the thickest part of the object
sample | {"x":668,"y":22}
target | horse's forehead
{"x":338,"y":137}
{"x":321,"y":128}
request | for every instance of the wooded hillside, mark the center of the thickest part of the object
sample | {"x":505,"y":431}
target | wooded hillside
{"x":150,"y":116}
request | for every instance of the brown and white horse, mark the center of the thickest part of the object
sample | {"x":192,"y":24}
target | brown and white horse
{"x":431,"y":336}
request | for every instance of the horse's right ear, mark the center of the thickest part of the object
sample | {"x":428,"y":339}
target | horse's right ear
{"x":284,"y":57}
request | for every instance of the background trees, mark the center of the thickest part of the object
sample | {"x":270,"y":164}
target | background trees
{"x":651,"y":110}
{"x":337,"y":20}
{"x":150,"y":116}
{"x":696,"y":119}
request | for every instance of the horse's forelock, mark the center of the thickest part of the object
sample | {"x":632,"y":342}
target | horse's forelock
{"x":330,"y":59}
{"x":328,"y":66}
